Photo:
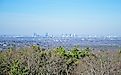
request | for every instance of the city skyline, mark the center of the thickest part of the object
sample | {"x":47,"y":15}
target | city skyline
{"x":25,"y":17}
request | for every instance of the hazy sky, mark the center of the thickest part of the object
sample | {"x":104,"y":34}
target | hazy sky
{"x":90,"y":17}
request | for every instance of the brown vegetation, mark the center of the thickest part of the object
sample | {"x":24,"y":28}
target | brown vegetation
{"x":58,"y":61}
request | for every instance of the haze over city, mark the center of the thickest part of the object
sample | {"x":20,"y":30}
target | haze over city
{"x":89,"y":17}
{"x":60,"y":37}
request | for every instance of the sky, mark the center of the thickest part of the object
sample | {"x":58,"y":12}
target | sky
{"x":89,"y":17}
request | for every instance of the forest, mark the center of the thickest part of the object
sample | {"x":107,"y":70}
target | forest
{"x":35,"y":60}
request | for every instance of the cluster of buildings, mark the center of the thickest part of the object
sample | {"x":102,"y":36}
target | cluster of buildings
{"x":50,"y":41}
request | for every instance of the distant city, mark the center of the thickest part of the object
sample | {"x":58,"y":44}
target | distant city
{"x":66,"y":40}
{"x":60,"y":35}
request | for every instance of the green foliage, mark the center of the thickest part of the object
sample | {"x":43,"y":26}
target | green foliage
{"x":120,"y":51}
{"x":3,"y":64}
{"x":75,"y":53}
{"x":61,"y":51}
{"x":35,"y":47}
{"x":84,"y":53}
{"x":17,"y":69}
{"x":58,"y":61}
